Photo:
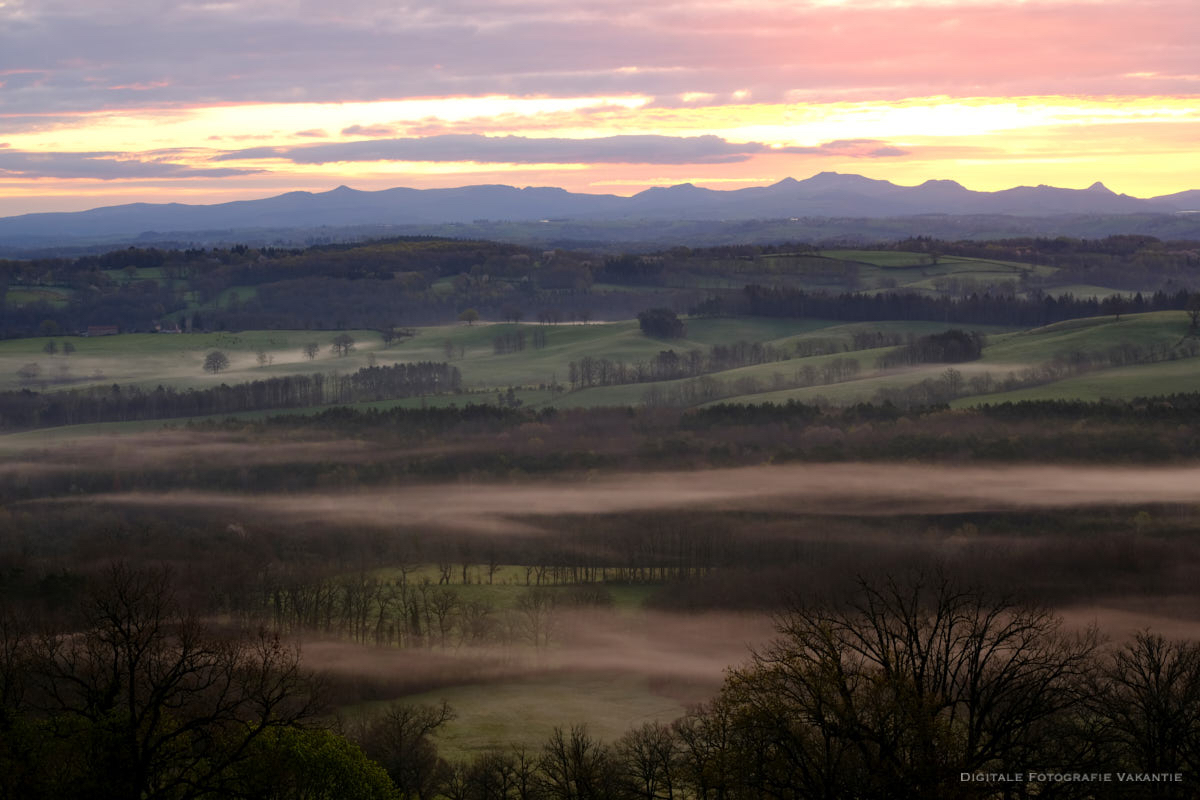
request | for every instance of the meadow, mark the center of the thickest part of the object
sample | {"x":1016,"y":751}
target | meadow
{"x":538,"y":376}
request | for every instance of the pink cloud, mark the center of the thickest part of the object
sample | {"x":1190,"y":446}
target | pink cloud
{"x":140,"y":87}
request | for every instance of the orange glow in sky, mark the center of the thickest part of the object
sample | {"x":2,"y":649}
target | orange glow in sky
{"x":207,"y":103}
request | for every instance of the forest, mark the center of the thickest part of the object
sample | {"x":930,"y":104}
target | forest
{"x":425,"y":280}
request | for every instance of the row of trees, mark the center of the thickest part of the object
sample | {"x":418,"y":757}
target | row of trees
{"x":782,"y":301}
{"x":952,"y":383}
{"x":707,"y":388}
{"x":951,"y":347}
{"x":670,"y":365}
{"x":26,"y":409}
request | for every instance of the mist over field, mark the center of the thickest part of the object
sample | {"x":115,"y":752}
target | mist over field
{"x":833,"y":489}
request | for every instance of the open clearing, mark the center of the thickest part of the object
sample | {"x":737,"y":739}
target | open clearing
{"x":524,"y":713}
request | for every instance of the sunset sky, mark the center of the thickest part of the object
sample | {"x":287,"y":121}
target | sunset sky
{"x":199,"y":102}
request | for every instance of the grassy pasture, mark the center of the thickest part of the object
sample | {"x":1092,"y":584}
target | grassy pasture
{"x":525,"y":712}
{"x":1011,"y":351}
{"x":621,"y":341}
{"x":150,"y":359}
{"x":1090,"y":335}
{"x":860,"y":390}
{"x":1119,"y":383}
{"x":1085,"y":290}
{"x":19,"y":295}
{"x":632,"y":394}
{"x":879,"y":258}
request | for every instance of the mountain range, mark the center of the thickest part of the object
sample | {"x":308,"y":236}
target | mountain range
{"x":825,"y":195}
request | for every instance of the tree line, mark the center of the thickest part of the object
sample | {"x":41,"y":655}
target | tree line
{"x":26,"y":409}
{"x":668,"y":365}
{"x":1011,"y":310}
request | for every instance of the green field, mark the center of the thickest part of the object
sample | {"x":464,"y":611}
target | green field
{"x":1119,"y":383}
{"x":150,"y":359}
{"x":525,"y":712}
{"x":21,"y":295}
{"x":1092,"y":334}
{"x":176,"y":360}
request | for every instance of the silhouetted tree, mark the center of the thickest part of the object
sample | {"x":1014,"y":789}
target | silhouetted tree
{"x":216,"y":361}
{"x":151,"y":703}
{"x":904,"y":688}
{"x":400,"y":741}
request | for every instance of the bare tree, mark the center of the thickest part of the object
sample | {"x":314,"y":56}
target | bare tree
{"x":575,"y":766}
{"x":160,"y":706}
{"x":400,"y":740}
{"x":649,"y":760}
{"x":1147,"y":707}
{"x":904,"y":688}
{"x":536,"y":613}
{"x":343,"y":345}
{"x":310,"y":350}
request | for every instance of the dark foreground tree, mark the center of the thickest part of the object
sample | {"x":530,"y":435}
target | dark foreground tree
{"x":574,"y":766}
{"x":900,"y":691}
{"x":144,"y":701}
{"x":1147,"y":713}
{"x":401,"y":742}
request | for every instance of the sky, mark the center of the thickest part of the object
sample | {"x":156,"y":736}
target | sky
{"x":202,"y":102}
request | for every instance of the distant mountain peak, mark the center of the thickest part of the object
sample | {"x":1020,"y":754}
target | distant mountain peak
{"x":676,"y":188}
{"x":830,"y":179}
{"x":826,"y":195}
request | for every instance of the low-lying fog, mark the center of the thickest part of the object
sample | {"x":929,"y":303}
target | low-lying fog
{"x":858,"y":489}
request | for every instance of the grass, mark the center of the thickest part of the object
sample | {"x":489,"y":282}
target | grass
{"x":1085,"y":290}
{"x":861,"y":390}
{"x":150,"y":359}
{"x":1089,"y":335}
{"x":525,"y":712}
{"x":22,"y":295}
{"x":632,"y":394}
{"x":1120,"y":383}
{"x":620,"y":341}
{"x":879,"y":258}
